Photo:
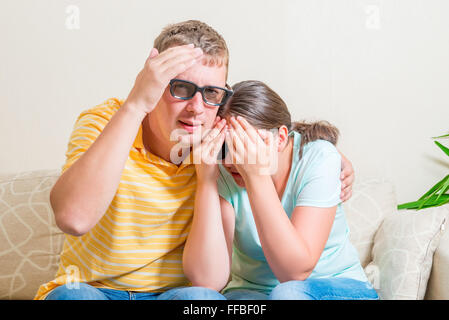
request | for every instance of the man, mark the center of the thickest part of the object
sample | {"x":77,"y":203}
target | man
{"x":125,"y":206}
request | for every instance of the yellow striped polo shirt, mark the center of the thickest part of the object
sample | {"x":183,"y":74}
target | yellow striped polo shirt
{"x":138,"y":243}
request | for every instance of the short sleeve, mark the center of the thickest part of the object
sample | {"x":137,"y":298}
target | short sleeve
{"x":87,"y":128}
{"x":321,"y":186}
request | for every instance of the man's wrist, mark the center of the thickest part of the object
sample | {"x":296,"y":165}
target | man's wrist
{"x":135,"y":110}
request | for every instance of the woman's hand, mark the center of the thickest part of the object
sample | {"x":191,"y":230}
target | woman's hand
{"x":252,"y":151}
{"x":205,"y":154}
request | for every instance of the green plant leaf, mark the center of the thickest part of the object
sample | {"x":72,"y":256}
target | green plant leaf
{"x":445,"y":150}
{"x":432,"y":202}
{"x":444,"y":188}
{"x":409,"y":205}
{"x":435,"y":188}
{"x":435,"y":203}
{"x":444,"y":136}
{"x":437,"y":195}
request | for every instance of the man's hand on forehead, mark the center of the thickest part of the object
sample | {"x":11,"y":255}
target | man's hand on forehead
{"x":175,"y":60}
{"x":157,"y":72}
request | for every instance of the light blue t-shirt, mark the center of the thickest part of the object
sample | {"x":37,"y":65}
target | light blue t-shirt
{"x":314,"y":181}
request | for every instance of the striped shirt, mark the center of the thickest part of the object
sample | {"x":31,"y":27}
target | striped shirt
{"x":138,"y":243}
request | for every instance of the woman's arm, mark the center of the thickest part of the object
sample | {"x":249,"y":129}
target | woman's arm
{"x":206,"y":257}
{"x":207,"y":252}
{"x":228,"y":219}
{"x":292,"y":247}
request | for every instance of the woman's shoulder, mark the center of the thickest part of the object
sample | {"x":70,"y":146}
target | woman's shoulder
{"x":318,"y":157}
{"x":319,"y":148}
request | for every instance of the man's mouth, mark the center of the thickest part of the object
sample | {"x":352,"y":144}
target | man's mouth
{"x":189,"y":126}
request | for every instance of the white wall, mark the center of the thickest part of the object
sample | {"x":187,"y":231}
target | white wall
{"x":379,"y":70}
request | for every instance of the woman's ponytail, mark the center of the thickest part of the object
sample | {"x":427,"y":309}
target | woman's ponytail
{"x":314,"y":131}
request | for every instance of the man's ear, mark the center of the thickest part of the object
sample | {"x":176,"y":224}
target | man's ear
{"x":282,"y":138}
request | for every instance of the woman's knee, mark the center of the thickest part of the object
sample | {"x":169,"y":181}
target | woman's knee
{"x":323,"y":289}
{"x":191,"y":293}
{"x":292,"y":290}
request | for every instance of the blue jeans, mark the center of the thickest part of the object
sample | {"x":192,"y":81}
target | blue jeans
{"x":311,"y":289}
{"x":88,"y":292}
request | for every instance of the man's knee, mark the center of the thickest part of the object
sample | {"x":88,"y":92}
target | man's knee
{"x":78,"y":291}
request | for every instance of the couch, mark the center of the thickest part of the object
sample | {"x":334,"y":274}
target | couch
{"x":405,"y":254}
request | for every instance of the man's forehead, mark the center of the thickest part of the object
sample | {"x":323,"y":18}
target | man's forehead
{"x":205,"y":75}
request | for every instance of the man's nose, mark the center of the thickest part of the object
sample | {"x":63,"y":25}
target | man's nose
{"x":196,"y":104}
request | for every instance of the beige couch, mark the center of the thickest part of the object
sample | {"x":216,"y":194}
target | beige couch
{"x":405,"y":254}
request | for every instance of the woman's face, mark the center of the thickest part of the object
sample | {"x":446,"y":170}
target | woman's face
{"x":229,"y":166}
{"x":281,"y":139}
{"x":233,"y":171}
{"x":228,"y":163}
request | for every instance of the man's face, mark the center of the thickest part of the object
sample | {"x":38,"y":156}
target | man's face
{"x":187,"y":115}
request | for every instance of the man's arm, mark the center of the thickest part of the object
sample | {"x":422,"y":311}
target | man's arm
{"x":347,"y":178}
{"x":82,"y":194}
{"x":84,"y":191}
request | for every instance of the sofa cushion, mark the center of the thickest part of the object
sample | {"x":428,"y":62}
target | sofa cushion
{"x":372,"y":200}
{"x":403,"y":252}
{"x":30,"y":242}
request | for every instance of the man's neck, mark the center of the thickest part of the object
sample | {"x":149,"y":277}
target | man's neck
{"x":152,"y":143}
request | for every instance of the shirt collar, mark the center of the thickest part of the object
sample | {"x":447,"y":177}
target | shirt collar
{"x":138,"y":144}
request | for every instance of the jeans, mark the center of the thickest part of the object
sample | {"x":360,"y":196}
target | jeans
{"x":311,"y":289}
{"x":88,"y":292}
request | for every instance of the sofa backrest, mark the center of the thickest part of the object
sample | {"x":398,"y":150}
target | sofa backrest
{"x":372,"y":200}
{"x":30,"y":242}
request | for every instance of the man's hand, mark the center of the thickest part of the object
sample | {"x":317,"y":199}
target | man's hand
{"x":347,"y":178}
{"x":157,"y":72}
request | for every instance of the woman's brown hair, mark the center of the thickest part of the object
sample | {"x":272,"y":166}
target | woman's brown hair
{"x":264,"y":109}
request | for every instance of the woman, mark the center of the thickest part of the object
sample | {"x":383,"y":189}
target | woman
{"x":274,"y":221}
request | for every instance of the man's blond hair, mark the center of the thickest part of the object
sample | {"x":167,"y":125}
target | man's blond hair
{"x":201,"y":35}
